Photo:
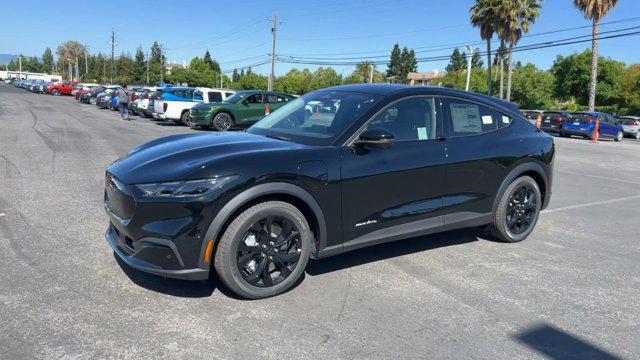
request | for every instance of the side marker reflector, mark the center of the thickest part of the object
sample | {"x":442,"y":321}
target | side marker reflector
{"x":207,"y":253}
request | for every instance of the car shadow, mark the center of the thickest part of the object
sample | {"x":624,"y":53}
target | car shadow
{"x":205,"y":288}
{"x":558,"y":344}
{"x":166,"y":123}
{"x":394,"y":249}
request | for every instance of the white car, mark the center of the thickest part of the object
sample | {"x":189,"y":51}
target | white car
{"x":175,"y":102}
{"x":631,"y":125}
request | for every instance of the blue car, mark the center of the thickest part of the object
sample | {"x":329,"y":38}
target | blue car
{"x":584,"y":124}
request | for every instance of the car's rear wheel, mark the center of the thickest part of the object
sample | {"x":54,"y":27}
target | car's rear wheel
{"x":55,"y":92}
{"x":637,"y":135}
{"x":222,"y":121}
{"x":264,"y":251}
{"x":184,"y":118}
{"x":619,"y":136}
{"x":518,"y":211}
{"x":92,"y":101}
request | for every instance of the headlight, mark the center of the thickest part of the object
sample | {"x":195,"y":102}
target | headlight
{"x":189,"y":188}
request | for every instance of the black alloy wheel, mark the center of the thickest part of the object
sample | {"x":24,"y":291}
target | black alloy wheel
{"x":222,"y":122}
{"x":521,"y":209}
{"x":264,"y":250}
{"x":517,"y":211}
{"x":269,"y":251}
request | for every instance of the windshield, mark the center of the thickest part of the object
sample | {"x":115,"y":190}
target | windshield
{"x":235,"y":98}
{"x":316,"y":118}
{"x":629,"y":121}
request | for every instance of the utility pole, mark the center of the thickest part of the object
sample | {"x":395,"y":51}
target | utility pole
{"x":70,"y":70}
{"x":77,"y":68}
{"x":147,"y":68}
{"x":113,"y":50}
{"x":86,"y":62}
{"x":371,"y":74}
{"x":161,"y":63}
{"x":273,"y":51}
{"x":221,"y":81}
{"x":20,"y":61}
{"x":470,"y":50}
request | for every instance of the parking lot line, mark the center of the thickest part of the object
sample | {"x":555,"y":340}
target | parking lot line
{"x":570,"y":207}
{"x":600,"y":177}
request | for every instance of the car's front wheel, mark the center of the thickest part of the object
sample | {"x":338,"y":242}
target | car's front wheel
{"x":55,"y":92}
{"x":222,"y":121}
{"x":264,"y":251}
{"x":518,"y":211}
{"x":619,"y":136}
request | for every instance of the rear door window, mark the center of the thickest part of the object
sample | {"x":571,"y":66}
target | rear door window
{"x":466,"y":118}
{"x":215,"y":96}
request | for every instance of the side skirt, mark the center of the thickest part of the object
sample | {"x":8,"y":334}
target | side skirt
{"x":458,"y":220}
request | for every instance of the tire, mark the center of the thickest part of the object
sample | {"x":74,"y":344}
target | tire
{"x":500,"y":227}
{"x":222,"y":121}
{"x":637,"y":135}
{"x":619,"y":136}
{"x":239,"y":278}
{"x":184,"y":118}
{"x":92,"y":101}
{"x":55,"y":92}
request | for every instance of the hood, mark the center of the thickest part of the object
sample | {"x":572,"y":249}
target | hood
{"x":188,"y":156}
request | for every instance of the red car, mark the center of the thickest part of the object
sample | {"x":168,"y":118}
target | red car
{"x":83,"y":91}
{"x":60,"y":88}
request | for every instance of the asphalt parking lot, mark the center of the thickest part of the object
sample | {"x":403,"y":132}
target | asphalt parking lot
{"x":572,"y":290}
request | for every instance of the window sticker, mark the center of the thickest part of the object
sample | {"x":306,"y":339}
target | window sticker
{"x":422,"y":133}
{"x":505,"y":119}
{"x":466,"y":118}
{"x":487,"y":120}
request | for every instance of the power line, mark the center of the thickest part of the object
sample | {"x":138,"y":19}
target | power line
{"x":542,"y":45}
{"x":433,"y":48}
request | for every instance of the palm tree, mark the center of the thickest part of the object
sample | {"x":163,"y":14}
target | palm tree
{"x":484,"y":16}
{"x":516,"y":16}
{"x":594,"y":10}
{"x":365,"y":70}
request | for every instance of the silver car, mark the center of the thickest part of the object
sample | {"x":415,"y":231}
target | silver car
{"x":631,"y":126}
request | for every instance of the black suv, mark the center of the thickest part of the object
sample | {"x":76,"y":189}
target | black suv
{"x":332,"y":171}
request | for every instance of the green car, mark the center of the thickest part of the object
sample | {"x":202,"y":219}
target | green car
{"x":242,"y":109}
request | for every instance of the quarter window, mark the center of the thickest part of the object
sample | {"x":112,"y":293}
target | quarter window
{"x":409,"y":120}
{"x":255,"y":99}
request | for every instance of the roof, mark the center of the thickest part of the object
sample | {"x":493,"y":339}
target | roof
{"x":424,"y":76}
{"x":169,"y":89}
{"x":388,"y":89}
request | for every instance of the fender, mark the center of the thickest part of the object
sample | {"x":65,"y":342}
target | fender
{"x":252,"y":193}
{"x":515,"y":173}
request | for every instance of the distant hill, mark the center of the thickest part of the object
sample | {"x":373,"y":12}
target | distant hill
{"x":6,"y":58}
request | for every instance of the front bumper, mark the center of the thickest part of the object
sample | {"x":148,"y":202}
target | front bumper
{"x":199,"y":118}
{"x":145,"y":254}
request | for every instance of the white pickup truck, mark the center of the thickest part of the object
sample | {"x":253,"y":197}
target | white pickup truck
{"x":175,"y":102}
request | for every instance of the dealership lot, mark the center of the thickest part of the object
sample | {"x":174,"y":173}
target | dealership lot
{"x":571,"y":289}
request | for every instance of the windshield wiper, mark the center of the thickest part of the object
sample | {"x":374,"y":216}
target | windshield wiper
{"x":278,"y":137}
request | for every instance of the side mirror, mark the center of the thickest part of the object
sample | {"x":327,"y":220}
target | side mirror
{"x":376,"y":137}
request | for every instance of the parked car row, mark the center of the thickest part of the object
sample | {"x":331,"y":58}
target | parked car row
{"x":583,"y":123}
{"x":217,"y":109}
{"x":50,"y":87}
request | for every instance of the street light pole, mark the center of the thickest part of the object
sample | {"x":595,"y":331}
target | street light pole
{"x":469,"y":50}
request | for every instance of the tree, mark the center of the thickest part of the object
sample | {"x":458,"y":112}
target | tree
{"x":515,"y":18}
{"x":484,"y":16}
{"x":458,"y":80}
{"x":572,"y":75}
{"x":47,"y":61}
{"x":458,"y":61}
{"x":325,"y":77}
{"x":156,"y":53}
{"x":594,"y":10}
{"x":395,"y":61}
{"x":235,"y":75}
{"x":629,"y":96}
{"x":67,"y":53}
{"x":408,"y":63}
{"x":476,"y":61}
{"x":531,"y":87}
{"x":251,"y":81}
{"x":139,"y":67}
{"x":294,"y":82}
{"x":207,"y":59}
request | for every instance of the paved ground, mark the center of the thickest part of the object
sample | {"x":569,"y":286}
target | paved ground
{"x":571,"y":289}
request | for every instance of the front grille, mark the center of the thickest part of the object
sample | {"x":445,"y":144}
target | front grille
{"x":117,"y":198}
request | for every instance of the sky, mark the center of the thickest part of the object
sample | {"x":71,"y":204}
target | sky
{"x":239,"y":33}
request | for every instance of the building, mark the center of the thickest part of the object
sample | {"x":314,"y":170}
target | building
{"x":28,"y":75}
{"x":423,"y":79}
{"x":172,"y":65}
{"x":419,"y":79}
